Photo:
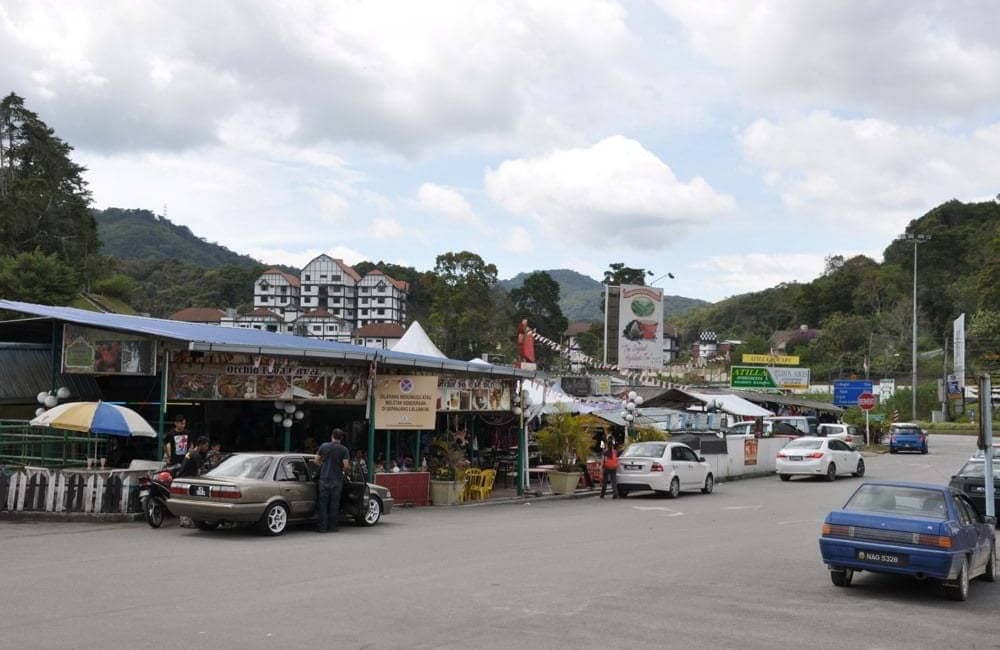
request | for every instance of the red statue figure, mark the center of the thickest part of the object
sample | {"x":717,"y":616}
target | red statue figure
{"x":525,"y":342}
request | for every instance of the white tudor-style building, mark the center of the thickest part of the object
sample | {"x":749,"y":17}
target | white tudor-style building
{"x":381,"y":299}
{"x":277,"y":291}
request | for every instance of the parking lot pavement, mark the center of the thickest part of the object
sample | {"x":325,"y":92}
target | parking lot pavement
{"x":736,"y":569}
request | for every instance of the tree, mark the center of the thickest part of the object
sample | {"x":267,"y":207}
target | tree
{"x":618,"y":273}
{"x":37,"y":277}
{"x":463,"y":318}
{"x":43,"y":197}
{"x":537,"y":300}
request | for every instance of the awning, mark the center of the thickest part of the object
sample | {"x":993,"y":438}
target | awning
{"x":723,"y":402}
{"x":788,"y":400}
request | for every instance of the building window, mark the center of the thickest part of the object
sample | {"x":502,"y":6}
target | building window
{"x":364,"y":312}
{"x":381,"y":312}
{"x":317,"y":328}
{"x":322,"y":276}
{"x":337,"y":289}
{"x":308,"y":278}
{"x":381,"y":301}
{"x":335,"y":278}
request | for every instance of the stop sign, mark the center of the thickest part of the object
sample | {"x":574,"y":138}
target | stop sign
{"x":866,"y":401}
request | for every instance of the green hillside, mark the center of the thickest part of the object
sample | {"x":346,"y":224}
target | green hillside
{"x":142,"y":235}
{"x":581,"y":297}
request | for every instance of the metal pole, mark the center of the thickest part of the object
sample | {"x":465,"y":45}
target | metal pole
{"x":371,"y":422}
{"x":867,"y":430}
{"x":913,"y":410}
{"x":986,"y":422}
{"x":164,"y":382}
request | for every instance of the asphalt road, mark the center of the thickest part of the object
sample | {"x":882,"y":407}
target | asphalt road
{"x":736,"y":569}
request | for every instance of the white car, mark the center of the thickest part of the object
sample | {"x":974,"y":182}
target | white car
{"x":815,"y":456}
{"x":663,"y":467}
{"x":844,"y":432}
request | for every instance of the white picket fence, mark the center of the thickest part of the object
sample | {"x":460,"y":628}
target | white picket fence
{"x":40,"y":489}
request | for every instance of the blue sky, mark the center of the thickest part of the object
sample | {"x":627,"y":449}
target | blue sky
{"x":734,"y":144}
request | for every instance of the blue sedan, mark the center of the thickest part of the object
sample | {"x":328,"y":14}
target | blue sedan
{"x":925,"y":531}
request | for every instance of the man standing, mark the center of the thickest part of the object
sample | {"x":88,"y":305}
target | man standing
{"x":176,"y":445}
{"x":333,"y":459}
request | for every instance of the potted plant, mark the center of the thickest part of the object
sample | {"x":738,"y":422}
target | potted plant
{"x":566,"y":442}
{"x":447,"y":467}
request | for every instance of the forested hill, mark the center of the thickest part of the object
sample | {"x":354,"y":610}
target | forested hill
{"x":581,"y":296}
{"x":142,"y":235}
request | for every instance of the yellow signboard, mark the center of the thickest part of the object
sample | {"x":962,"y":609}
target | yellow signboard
{"x":406,"y":401}
{"x":772,"y":359}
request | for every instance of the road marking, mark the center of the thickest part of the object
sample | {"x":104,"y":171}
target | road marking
{"x":670,"y":511}
{"x":756,"y":507}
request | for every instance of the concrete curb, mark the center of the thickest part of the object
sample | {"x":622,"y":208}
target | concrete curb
{"x":99,"y":518}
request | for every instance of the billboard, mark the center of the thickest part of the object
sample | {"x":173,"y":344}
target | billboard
{"x":90,"y":351}
{"x":406,"y":402}
{"x":767,"y":377}
{"x":772,"y":359}
{"x":464,"y":394}
{"x":640,"y":327}
{"x":958,"y":335}
{"x":846,"y":392}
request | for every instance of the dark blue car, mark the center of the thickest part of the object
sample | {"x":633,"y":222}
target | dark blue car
{"x":904,"y":436}
{"x":926,"y":531}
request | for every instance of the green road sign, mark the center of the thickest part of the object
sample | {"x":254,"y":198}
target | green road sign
{"x":749,"y":377}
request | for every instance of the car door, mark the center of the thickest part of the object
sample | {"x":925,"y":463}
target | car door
{"x":684,"y":465}
{"x":843,"y":456}
{"x":295,"y":486}
{"x":698,"y":470}
{"x":978,"y":531}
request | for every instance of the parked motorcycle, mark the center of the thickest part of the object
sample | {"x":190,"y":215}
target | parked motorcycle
{"x":153,"y":493}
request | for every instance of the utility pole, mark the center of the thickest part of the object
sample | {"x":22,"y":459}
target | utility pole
{"x":916,"y":240}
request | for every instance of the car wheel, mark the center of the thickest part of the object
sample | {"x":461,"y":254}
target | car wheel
{"x":205,"y":525}
{"x":154,"y":513}
{"x":842,"y":577}
{"x":960,"y":589}
{"x":275,"y":519}
{"x":831,"y":472}
{"x":709,"y":485}
{"x":990,"y":575}
{"x":860,"y":471}
{"x":675,"y":488}
{"x":372,"y":513}
{"x":785,"y":477}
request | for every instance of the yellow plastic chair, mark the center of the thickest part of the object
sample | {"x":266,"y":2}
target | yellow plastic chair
{"x":473,"y":476}
{"x":484,"y":489}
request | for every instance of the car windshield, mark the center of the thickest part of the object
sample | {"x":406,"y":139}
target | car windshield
{"x":974,"y":469}
{"x":804,"y":444}
{"x":899,"y":500}
{"x":645,"y":449}
{"x":240,"y":466}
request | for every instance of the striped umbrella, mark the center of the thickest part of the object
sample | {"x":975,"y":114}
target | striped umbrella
{"x":95,"y":417}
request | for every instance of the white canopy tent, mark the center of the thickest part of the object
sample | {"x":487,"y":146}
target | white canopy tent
{"x":416,"y":341}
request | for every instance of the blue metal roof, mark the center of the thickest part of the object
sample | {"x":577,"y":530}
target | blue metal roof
{"x":206,"y":338}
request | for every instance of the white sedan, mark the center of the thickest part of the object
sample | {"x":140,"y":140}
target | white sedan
{"x":663,"y":467}
{"x":814,"y":456}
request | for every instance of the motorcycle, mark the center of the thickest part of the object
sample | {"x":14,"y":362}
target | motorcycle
{"x":153,"y":493}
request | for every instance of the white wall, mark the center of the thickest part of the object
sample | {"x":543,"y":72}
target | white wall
{"x":733,"y":465}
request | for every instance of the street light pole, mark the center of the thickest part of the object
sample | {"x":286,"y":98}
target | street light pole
{"x":917,"y":240}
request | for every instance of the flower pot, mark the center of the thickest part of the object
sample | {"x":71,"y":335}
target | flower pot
{"x":564,"y":482}
{"x":445,"y":493}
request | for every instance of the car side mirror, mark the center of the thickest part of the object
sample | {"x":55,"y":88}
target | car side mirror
{"x":701,"y":459}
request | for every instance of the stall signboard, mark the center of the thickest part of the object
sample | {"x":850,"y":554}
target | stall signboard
{"x":768,"y":377}
{"x":750,"y":451}
{"x":406,"y":401}
{"x":772,"y":359}
{"x":471,"y":394}
{"x":240,"y":376}
{"x":640,"y":327}
{"x":602,"y":385}
{"x":90,"y":351}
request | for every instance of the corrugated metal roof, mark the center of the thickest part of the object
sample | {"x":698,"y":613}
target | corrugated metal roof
{"x":207,"y":338}
{"x":788,"y":400}
{"x":648,"y":416}
{"x":26,"y":370}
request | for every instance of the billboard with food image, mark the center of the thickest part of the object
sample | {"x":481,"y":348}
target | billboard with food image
{"x":640,"y":327}
{"x":232,"y":376}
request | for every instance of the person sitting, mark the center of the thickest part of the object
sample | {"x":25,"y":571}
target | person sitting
{"x":194,"y":460}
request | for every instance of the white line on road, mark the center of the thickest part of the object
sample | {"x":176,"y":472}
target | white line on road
{"x":670,"y":511}
{"x":756,"y":507}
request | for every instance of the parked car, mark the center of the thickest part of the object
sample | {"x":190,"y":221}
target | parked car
{"x":663,"y":467}
{"x":270,"y":490}
{"x":905,"y":436}
{"x":776,"y":426}
{"x":844,"y":432}
{"x":971,"y":481}
{"x":814,"y":456}
{"x":926,"y":531}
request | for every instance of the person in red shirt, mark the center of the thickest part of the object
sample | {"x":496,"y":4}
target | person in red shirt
{"x":610,"y":468}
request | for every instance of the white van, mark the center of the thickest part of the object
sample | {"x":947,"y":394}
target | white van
{"x":846,"y":432}
{"x":796,"y":425}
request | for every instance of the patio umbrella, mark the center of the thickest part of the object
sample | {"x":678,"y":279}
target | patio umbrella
{"x":95,"y":417}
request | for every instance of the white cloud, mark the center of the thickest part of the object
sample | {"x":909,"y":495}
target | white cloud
{"x":746,"y":272}
{"x":868,"y":173}
{"x":387,"y":228}
{"x":517,"y":240}
{"x":903,"y":58}
{"x":446,"y":202}
{"x":614,"y":194}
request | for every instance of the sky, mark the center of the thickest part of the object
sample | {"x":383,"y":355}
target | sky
{"x":733,"y":144}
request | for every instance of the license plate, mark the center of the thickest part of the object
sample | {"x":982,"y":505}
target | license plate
{"x":630,"y":467}
{"x":143,"y":493}
{"x":199,"y":491}
{"x":795,"y":458}
{"x":881,"y":557}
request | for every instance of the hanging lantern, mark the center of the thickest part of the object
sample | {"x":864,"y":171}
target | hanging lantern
{"x":63,"y":392}
{"x":299,"y":415}
{"x":289,"y":408}
{"x":41,"y":397}
{"x":287,"y":423}
{"x":517,"y":410}
{"x":277,"y":418}
{"x":279,"y":405}
{"x":638,"y":400}
{"x":629,"y":417}
{"x":50,"y":401}
{"x":39,"y":411}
